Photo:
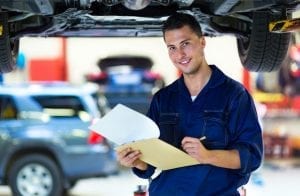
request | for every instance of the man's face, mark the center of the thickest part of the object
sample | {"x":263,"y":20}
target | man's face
{"x":185,"y":49}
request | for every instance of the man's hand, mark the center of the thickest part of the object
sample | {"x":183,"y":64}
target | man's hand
{"x":195,"y":149}
{"x":221,"y":158}
{"x":131,"y":158}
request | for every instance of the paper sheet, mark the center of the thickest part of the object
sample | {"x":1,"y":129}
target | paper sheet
{"x":123,"y":125}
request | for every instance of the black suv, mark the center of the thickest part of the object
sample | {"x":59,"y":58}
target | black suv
{"x":248,"y":20}
{"x":127,"y":79}
{"x":45,"y":143}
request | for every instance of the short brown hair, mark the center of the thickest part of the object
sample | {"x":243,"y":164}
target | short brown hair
{"x":178,"y":20}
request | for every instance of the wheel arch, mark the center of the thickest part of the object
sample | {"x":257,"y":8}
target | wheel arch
{"x":33,"y":150}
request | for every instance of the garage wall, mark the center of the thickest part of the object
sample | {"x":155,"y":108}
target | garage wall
{"x":222,"y":51}
{"x":83,"y":54}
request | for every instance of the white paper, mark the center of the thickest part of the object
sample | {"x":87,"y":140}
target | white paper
{"x":123,"y":125}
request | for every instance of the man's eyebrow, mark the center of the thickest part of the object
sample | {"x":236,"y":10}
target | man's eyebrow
{"x":171,"y":45}
{"x":185,"y":40}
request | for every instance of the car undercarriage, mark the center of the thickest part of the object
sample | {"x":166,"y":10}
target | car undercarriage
{"x":259,"y":49}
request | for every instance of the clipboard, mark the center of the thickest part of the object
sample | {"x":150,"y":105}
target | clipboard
{"x":128,"y":128}
{"x":160,"y":154}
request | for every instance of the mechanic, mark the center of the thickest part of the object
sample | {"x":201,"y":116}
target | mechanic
{"x":202,"y":103}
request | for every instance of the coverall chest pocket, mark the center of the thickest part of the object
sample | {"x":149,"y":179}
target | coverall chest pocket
{"x":215,"y":129}
{"x":168,"y":125}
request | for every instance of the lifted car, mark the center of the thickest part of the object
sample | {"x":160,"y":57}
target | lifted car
{"x":259,"y":49}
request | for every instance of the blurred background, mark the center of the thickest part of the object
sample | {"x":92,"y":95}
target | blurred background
{"x":80,"y":60}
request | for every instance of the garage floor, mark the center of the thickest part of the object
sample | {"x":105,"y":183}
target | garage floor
{"x":275,"y":178}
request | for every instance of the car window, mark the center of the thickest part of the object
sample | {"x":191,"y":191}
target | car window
{"x":7,"y":108}
{"x":60,"y":106}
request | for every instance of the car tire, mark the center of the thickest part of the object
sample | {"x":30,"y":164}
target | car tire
{"x":6,"y":60}
{"x":263,"y":51}
{"x":35,"y":174}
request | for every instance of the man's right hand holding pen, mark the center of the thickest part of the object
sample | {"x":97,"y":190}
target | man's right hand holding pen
{"x":221,"y":158}
{"x":195,"y":148}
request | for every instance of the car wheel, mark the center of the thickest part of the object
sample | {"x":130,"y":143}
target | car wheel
{"x":35,"y":175}
{"x":6,"y":61}
{"x":263,"y":51}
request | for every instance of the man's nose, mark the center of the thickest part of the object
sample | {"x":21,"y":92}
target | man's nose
{"x":181,"y":53}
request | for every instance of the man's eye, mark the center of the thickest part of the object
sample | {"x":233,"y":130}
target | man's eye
{"x":185,"y":44}
{"x":172,"y":48}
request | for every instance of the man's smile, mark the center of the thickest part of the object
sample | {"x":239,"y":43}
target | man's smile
{"x":184,"y":61}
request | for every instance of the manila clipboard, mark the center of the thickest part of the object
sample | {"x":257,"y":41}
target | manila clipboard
{"x":128,"y":128}
{"x":160,"y":154}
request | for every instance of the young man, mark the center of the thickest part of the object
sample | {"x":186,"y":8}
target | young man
{"x":203,"y":102}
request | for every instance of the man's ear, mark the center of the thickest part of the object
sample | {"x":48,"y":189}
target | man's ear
{"x":203,"y":42}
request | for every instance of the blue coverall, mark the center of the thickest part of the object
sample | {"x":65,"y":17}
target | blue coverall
{"x":225,"y":114}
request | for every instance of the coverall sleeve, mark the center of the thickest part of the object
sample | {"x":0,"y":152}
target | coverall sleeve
{"x":144,"y":174}
{"x":245,"y":131}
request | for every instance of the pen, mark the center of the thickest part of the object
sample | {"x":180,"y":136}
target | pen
{"x":202,"y":138}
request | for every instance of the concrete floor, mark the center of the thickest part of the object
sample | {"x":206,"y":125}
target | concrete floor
{"x":273,"y":179}
{"x":276,"y":178}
